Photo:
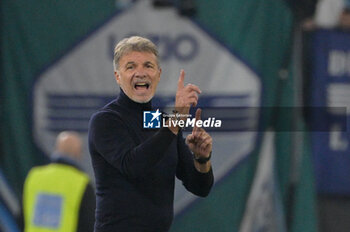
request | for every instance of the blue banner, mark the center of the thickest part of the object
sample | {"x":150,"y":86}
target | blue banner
{"x":330,"y":89}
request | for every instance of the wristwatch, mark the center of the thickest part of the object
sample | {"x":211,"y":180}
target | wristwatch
{"x":202,"y":160}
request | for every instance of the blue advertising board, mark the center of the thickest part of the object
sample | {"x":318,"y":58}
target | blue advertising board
{"x":330,"y":100}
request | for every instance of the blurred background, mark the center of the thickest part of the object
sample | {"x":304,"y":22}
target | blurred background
{"x":283,"y":168}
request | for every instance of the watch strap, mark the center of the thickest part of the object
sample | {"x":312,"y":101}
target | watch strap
{"x":202,"y":160}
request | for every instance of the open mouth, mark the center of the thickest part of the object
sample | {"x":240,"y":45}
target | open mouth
{"x":141,"y":85}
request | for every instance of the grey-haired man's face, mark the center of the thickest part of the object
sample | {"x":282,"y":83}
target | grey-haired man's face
{"x":138,"y":75}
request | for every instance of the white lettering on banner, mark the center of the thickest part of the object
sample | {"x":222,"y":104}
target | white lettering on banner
{"x":182,"y":47}
{"x":71,"y":90}
{"x":339,"y":63}
{"x":338,"y":98}
{"x":337,"y":140}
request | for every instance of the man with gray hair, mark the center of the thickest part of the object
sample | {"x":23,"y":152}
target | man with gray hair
{"x":134,"y":167}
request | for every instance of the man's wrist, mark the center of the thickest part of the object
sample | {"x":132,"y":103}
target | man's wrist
{"x":175,"y":127}
{"x":177,"y":117}
{"x":202,"y":160}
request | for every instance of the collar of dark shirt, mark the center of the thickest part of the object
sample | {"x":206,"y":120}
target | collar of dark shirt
{"x":124,"y":100}
{"x":64,"y":159}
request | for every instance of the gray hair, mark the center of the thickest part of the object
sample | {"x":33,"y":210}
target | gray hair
{"x":131,"y":44}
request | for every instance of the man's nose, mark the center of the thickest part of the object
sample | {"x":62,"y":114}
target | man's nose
{"x":140,"y":72}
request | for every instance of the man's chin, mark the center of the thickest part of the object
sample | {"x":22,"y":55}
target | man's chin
{"x":142,"y":99}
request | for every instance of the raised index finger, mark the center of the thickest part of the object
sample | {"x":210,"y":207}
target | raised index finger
{"x":198,"y":117}
{"x":180,"y":84}
{"x":198,"y":114}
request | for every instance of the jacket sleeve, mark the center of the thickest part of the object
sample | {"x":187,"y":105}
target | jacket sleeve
{"x":110,"y":137}
{"x":194,"y":181}
{"x":87,"y":210}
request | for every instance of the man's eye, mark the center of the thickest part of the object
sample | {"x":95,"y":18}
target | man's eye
{"x":129,"y":67}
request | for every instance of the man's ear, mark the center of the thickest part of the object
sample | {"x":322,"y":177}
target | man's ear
{"x":117,"y":77}
{"x":160,"y":72}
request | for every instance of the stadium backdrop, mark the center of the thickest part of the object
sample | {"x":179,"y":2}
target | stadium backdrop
{"x":254,"y":36}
